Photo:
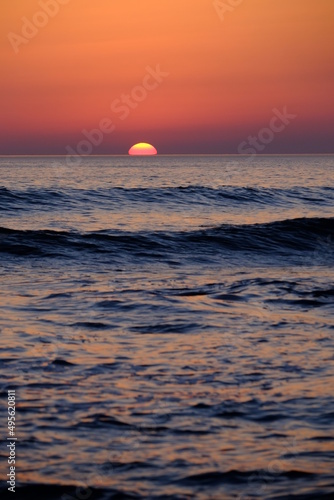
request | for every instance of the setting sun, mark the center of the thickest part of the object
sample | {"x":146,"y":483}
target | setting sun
{"x":143,"y":149}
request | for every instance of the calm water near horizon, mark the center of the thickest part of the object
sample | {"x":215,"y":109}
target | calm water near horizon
{"x":168,"y":326}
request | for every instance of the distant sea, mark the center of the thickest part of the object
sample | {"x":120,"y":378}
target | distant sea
{"x":168,"y":325}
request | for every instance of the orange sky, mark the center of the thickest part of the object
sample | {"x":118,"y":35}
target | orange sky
{"x":225,"y":76}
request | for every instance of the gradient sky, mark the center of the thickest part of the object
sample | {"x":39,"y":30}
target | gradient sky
{"x":225,"y":75}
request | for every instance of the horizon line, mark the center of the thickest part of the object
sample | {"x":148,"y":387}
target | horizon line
{"x":170,"y":154}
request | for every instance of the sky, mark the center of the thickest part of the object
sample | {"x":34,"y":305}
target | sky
{"x":188,"y":76}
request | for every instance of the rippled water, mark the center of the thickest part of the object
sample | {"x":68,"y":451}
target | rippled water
{"x":168,"y":325}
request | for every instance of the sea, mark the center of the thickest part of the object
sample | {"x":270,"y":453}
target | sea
{"x":167,"y":325}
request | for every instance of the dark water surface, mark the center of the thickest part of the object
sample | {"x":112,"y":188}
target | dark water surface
{"x":168,"y":326}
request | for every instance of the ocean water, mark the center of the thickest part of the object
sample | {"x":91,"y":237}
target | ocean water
{"x":168,"y":326}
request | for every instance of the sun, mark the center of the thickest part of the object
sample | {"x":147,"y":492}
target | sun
{"x":143,"y":149}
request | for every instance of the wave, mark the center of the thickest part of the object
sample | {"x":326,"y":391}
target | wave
{"x":33,"y":198}
{"x":243,"y":482}
{"x":58,"y":492}
{"x":285,"y":237}
{"x":21,"y":199}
